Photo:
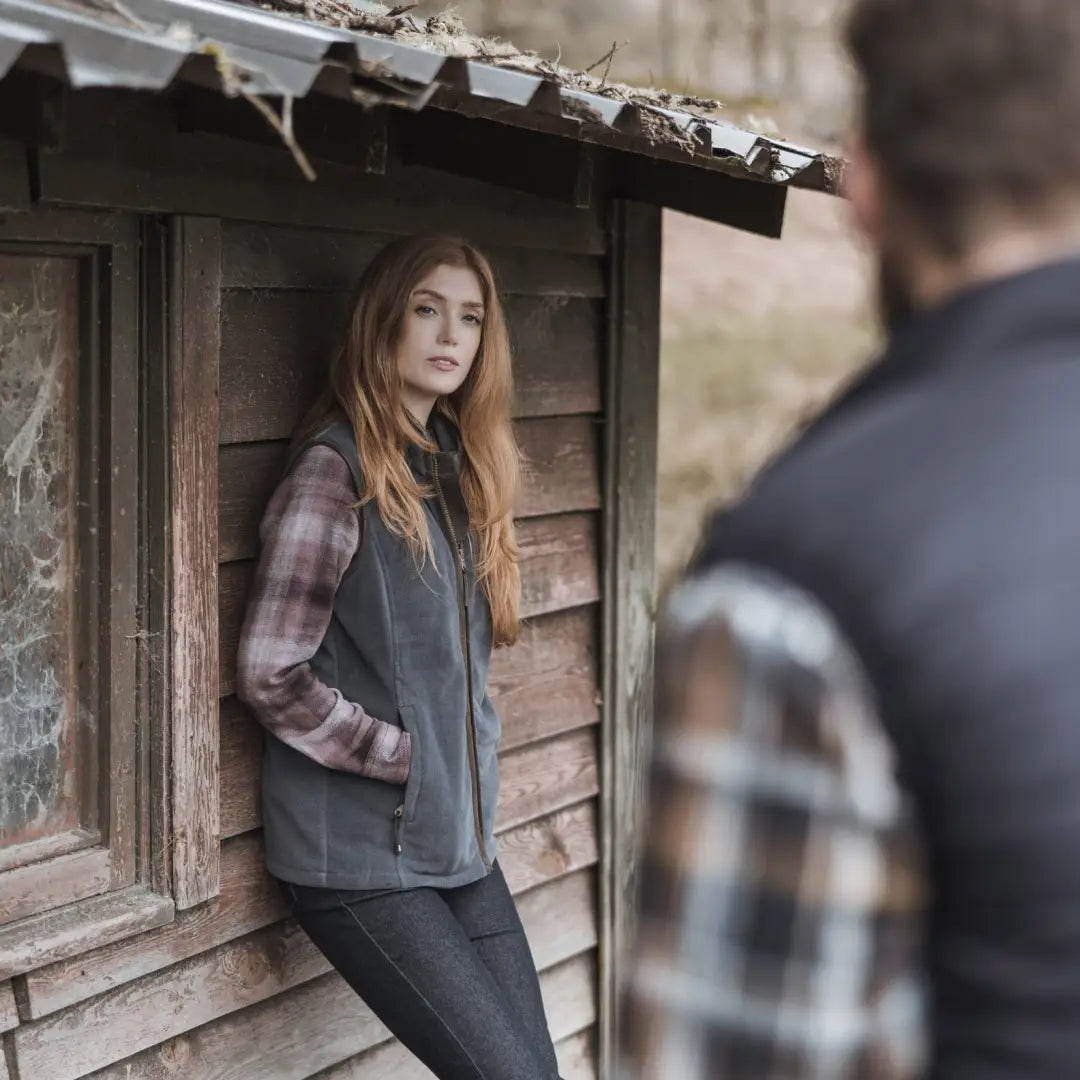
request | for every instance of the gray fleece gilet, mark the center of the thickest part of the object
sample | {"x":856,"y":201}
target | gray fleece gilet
{"x":397,"y":645}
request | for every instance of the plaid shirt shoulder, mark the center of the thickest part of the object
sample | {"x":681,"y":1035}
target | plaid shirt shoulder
{"x":783,"y":884}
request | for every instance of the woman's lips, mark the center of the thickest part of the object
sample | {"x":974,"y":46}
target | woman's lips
{"x":443,"y":363}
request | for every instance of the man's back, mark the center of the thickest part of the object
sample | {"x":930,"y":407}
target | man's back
{"x":867,"y":766}
{"x":935,"y":513}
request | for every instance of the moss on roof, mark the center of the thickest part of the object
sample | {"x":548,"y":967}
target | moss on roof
{"x":446,"y":33}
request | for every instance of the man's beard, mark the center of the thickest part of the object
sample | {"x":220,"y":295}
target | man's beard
{"x":895,"y":297}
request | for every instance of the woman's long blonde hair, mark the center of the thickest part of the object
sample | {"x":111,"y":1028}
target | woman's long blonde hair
{"x":364,"y":382}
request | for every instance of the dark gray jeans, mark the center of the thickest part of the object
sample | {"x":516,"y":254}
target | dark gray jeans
{"x":448,"y":971}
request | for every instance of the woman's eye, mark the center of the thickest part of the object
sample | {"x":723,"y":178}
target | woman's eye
{"x":474,"y":319}
{"x":425,"y":309}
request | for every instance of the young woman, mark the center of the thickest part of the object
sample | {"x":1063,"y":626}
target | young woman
{"x":388,"y":572}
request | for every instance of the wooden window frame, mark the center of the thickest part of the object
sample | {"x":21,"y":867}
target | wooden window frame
{"x":148,"y":312}
{"x":77,"y":865}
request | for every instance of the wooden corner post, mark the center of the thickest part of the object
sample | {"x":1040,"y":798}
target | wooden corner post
{"x":194,"y":345}
{"x":630,"y":454}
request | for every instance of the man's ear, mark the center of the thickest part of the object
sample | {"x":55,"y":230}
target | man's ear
{"x":863,"y":187}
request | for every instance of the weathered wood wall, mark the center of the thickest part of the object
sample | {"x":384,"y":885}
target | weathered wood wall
{"x":231,"y":988}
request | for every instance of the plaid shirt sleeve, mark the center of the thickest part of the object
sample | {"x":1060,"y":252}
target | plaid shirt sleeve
{"x":310,"y":533}
{"x":783,"y":889}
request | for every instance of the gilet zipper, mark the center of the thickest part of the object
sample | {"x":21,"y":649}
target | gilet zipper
{"x":466,"y":651}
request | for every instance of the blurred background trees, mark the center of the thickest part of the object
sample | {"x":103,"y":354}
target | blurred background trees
{"x":752,"y":54}
{"x":757,"y":335}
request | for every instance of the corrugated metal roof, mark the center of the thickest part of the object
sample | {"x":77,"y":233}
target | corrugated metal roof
{"x":143,"y":44}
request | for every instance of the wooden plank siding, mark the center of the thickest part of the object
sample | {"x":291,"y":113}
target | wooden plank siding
{"x":562,"y":768}
{"x":123,"y":150}
{"x":561,"y":475}
{"x":559,"y":570}
{"x":231,"y":988}
{"x":249,"y":901}
{"x":257,"y":256}
{"x":274,"y":346}
{"x":390,"y":1060}
{"x":316,"y":1026}
{"x":247,"y":970}
{"x":281,"y":313}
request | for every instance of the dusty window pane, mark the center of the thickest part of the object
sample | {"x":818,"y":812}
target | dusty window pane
{"x":38,"y":351}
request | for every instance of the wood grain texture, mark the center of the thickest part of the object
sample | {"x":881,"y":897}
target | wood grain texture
{"x":629,"y":585}
{"x":561,"y":917}
{"x":119,"y":604}
{"x":248,"y":900}
{"x":559,"y":563}
{"x":562,"y":465}
{"x":559,"y":570}
{"x":530,"y":855}
{"x":195,"y":255}
{"x":548,"y":682}
{"x":129,"y":1019}
{"x":275,"y":346}
{"x":32,"y":889}
{"x":9,"y":1013}
{"x":549,"y":847}
{"x":314,"y":1027}
{"x":241,"y":769}
{"x":75,"y":929}
{"x":561,"y":475}
{"x":555,"y":773}
{"x":567,"y":1005}
{"x":242,"y":973}
{"x":257,"y":256}
{"x":155,"y":683}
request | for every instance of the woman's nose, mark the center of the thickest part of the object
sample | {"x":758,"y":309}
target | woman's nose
{"x":447,"y":335}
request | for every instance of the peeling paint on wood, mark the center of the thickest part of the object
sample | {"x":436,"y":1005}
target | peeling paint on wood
{"x":196,"y":264}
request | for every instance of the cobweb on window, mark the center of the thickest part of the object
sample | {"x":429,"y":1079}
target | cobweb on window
{"x":38,"y":353}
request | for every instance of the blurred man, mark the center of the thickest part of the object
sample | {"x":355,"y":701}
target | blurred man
{"x":863,"y":857}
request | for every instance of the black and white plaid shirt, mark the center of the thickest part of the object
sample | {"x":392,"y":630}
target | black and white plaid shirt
{"x":784,"y":891}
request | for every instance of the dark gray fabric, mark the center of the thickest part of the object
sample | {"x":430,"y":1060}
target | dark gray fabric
{"x":935,"y":511}
{"x":394,"y":646}
{"x":449,"y":972}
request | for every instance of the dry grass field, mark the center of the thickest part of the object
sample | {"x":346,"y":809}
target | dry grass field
{"x":756,"y":335}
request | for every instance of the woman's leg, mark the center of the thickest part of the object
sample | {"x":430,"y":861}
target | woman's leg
{"x":488,"y":916}
{"x":411,"y":961}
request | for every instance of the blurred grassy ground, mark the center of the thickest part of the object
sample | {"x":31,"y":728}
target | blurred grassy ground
{"x":757,"y":335}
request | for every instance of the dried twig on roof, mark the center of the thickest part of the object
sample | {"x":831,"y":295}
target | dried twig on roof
{"x":232,"y":84}
{"x":606,"y":58}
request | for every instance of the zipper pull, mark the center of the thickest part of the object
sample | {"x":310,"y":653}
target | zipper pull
{"x":464,"y":574}
{"x":399,"y":813}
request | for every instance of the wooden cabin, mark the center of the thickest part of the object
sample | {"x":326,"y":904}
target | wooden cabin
{"x":170,"y":285}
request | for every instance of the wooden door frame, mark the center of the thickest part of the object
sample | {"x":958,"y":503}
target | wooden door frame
{"x":629,"y":578}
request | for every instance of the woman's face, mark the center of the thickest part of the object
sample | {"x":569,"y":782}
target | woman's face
{"x":440,"y":337}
